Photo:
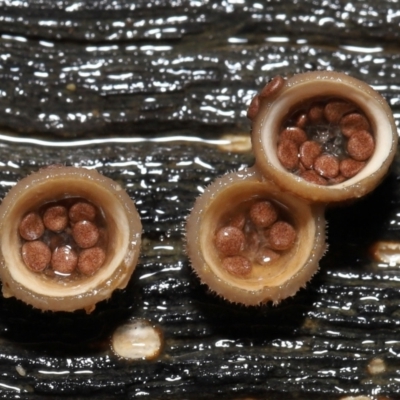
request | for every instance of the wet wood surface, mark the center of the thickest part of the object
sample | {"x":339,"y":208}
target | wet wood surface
{"x":151,"y":94}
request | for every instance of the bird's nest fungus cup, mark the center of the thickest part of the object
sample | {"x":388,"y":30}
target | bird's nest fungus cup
{"x":250,"y":242}
{"x":318,"y":138}
{"x":69,"y":237}
{"x":323,"y":135}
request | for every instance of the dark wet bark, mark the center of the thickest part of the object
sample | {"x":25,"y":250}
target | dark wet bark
{"x":108,"y":69}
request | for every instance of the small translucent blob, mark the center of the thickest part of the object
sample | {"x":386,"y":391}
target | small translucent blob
{"x":136,"y":340}
{"x":356,"y":398}
{"x":21,"y":370}
{"x":376,"y":366}
{"x":386,"y":252}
